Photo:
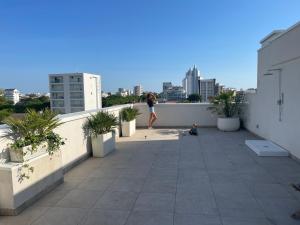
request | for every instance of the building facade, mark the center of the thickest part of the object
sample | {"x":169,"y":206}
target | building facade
{"x":138,"y":90}
{"x":273,"y":110}
{"x":190,"y":82}
{"x":74,"y":92}
{"x":172,"y":93}
{"x":167,"y":85}
{"x":207,"y":89}
{"x":12,"y":95}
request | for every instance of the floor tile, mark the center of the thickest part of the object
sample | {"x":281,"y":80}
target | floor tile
{"x":150,"y":218}
{"x":188,"y":219}
{"x":115,"y":200}
{"x":62,"y":216}
{"x":155,"y":202}
{"x":79,"y":199}
{"x":105,"y":217}
{"x":128,"y":184}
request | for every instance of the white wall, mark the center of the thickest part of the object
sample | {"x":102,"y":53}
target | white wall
{"x":92,"y":91}
{"x":177,"y":115}
{"x":262,"y":114}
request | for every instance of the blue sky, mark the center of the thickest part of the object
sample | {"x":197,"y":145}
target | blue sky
{"x":136,"y":41}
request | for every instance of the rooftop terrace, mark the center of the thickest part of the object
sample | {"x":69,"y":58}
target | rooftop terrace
{"x":166,"y":177}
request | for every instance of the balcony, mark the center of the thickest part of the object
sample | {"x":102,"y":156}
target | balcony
{"x":165,"y":176}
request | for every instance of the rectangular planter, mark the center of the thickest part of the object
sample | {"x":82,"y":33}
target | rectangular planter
{"x":24,"y":154}
{"x":103,"y":144}
{"x":128,"y":128}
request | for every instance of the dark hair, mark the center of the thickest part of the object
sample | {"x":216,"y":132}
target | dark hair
{"x":148,"y":95}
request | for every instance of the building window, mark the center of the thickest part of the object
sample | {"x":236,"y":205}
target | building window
{"x":58,"y":79}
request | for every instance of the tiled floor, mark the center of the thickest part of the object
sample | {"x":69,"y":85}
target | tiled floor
{"x":166,"y":177}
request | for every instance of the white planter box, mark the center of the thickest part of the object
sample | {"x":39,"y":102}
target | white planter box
{"x":128,"y":128}
{"x":229,"y":124}
{"x":103,"y":144}
{"x":24,"y":154}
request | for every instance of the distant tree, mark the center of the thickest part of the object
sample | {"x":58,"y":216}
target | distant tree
{"x":194,"y":98}
{"x":119,"y":100}
{"x":37,"y":104}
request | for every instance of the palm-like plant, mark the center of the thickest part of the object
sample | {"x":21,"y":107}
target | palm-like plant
{"x":34,"y":129}
{"x":100,"y":123}
{"x":129,"y":114}
{"x":226,"y":104}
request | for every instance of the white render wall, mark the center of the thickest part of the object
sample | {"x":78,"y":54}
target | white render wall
{"x":262,"y":114}
{"x":92,"y":91}
{"x":177,"y":115}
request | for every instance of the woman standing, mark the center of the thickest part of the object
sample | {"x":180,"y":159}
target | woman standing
{"x":150,"y":101}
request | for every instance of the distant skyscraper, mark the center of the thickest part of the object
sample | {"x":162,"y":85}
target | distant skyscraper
{"x":12,"y":95}
{"x":74,"y":92}
{"x":138,"y":90}
{"x":190,"y":82}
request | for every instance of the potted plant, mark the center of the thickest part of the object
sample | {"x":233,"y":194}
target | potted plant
{"x":100,"y":128}
{"x":227,"y":105}
{"x":128,"y":118}
{"x":33,"y":135}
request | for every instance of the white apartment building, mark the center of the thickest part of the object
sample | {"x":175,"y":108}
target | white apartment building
{"x":207,"y":89}
{"x":138,"y":90}
{"x":12,"y":95}
{"x":74,"y":92}
{"x":190,"y":82}
{"x":273,"y":111}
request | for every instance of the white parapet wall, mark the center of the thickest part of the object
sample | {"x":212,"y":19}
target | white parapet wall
{"x":48,"y":171}
{"x":177,"y":115}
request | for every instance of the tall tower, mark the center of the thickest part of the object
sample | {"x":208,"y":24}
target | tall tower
{"x":190,"y":82}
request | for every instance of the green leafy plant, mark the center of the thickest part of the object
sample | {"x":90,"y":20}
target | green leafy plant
{"x":226,"y":104}
{"x":129,"y":114}
{"x":34,"y":130}
{"x":100,"y":123}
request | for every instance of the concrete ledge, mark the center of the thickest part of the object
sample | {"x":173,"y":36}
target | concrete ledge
{"x":15,"y":195}
{"x":26,"y":204}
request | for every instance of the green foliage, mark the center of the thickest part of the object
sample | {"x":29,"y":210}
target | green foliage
{"x":100,"y":123}
{"x":4,"y":114}
{"x":34,"y":130}
{"x":194,"y":98}
{"x":37,"y":104}
{"x":129,"y":114}
{"x":119,"y":100}
{"x":227,"y":104}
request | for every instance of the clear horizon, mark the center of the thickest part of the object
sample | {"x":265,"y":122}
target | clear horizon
{"x":136,"y":42}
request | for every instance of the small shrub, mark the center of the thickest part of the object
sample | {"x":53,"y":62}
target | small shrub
{"x":100,"y":123}
{"x":129,"y":114}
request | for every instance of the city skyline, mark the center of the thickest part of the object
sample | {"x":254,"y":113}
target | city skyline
{"x":136,"y":42}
